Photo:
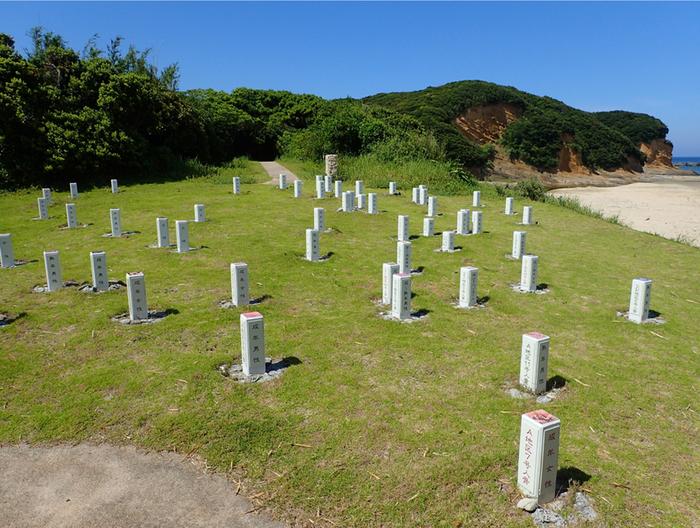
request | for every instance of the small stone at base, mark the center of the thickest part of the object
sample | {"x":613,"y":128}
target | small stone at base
{"x":527,"y":504}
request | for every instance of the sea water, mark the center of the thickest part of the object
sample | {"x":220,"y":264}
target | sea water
{"x":691,"y":163}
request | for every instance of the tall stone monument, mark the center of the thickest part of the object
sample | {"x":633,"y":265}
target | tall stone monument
{"x":331,"y":165}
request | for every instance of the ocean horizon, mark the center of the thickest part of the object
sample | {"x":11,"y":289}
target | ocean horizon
{"x":683,"y":161}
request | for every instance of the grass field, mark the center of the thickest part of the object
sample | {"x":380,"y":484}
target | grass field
{"x":380,"y":423}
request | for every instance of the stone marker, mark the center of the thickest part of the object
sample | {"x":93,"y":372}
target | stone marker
{"x":428,"y":226}
{"x":539,"y":455}
{"x":528,"y":273}
{"x":362,"y":201}
{"x":98,"y":264}
{"x":389,"y":269}
{"x":327,"y":183}
{"x":509,"y":206}
{"x":199,"y":213}
{"x":414,"y":195}
{"x":52,"y":265}
{"x":282,"y":181}
{"x":319,"y":219}
{"x":46,"y":193}
{"x":359,"y":187}
{"x":73,"y":189}
{"x":348,"y":201}
{"x":534,"y":356}
{"x":239,"y":284}
{"x":331,"y":165}
{"x":401,"y":296}
{"x":402,"y":228}
{"x":403,"y":256}
{"x":448,"y":241}
{"x":163,"y":232}
{"x":236,"y":185}
{"x":468,"y":280}
{"x":519,"y":239}
{"x":338,"y":188}
{"x":463,"y":222}
{"x":71,"y":216}
{"x":392,"y":187}
{"x":640,"y":300}
{"x":182,"y":233}
{"x":115,"y":186}
{"x":477,"y":224}
{"x":136,"y":294}
{"x":252,"y":343}
{"x":115,"y":218}
{"x":432,"y":206}
{"x":476,"y":199}
{"x":372,"y":203}
{"x":7,"y":254}
{"x":312,"y":245}
{"x":297,"y":188}
{"x":527,"y":215}
{"x":422,"y":195}
{"x":320,"y":188}
{"x":43,"y":206}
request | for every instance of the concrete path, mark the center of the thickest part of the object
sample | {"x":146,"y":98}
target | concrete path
{"x":88,"y":486}
{"x":274,"y":169}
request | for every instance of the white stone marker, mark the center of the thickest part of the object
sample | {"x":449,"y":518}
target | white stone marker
{"x":528,"y":273}
{"x":319,"y":219}
{"x":448,"y":242}
{"x":98,"y":264}
{"x":527,"y":215}
{"x":403,"y":256}
{"x":182,"y":233}
{"x":331,"y":165}
{"x":312,"y":245}
{"x":389,"y":269}
{"x":509,"y":206}
{"x":115,"y":218}
{"x":468,"y":280}
{"x":52,"y":265}
{"x":359,"y":187}
{"x":252,"y":343}
{"x":115,"y":186}
{"x":463,"y":222}
{"x":71,"y":216}
{"x":402,"y":234}
{"x":401,"y":296}
{"x":297,"y":188}
{"x":239,"y":284}
{"x":361,"y":201}
{"x":348,"y":204}
{"x":422,"y":195}
{"x":328,"y":183}
{"x":640,"y":300}
{"x":414,"y":195}
{"x":432,"y":206}
{"x":163,"y":232}
{"x":320,"y":188}
{"x":136,"y":294}
{"x":282,"y":181}
{"x":372,"y":203}
{"x":338,"y":188}
{"x":476,"y":199}
{"x":46,"y":193}
{"x":7,"y":254}
{"x":43,"y":208}
{"x":477,"y":223}
{"x":428,"y":226}
{"x":539,"y":455}
{"x":519,"y":239}
{"x":236,"y":185}
{"x":392,"y":187}
{"x":73,"y":189}
{"x":534,"y":356}
{"x":199,"y":215}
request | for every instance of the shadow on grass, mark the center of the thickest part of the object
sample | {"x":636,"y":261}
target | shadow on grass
{"x":260,"y":299}
{"x":556,"y":382}
{"x":420,"y":313}
{"x":283,"y":363}
{"x":570,"y":476}
{"x":653,"y":314}
{"x":483,"y":300}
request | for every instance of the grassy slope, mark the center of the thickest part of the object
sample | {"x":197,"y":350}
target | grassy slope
{"x":420,"y":406}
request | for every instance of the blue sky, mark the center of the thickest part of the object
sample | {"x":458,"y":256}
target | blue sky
{"x":598,"y":56}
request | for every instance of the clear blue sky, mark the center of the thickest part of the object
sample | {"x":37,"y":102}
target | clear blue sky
{"x":636,"y":56}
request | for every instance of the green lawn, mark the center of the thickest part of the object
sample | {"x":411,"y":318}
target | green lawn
{"x":381,"y":423}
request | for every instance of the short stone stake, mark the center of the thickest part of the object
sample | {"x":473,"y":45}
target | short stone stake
{"x":319,"y":219}
{"x":282,"y":178}
{"x":46,"y":193}
{"x":448,"y":242}
{"x":236,"y":185}
{"x":313,"y":252}
{"x":519,"y":239}
{"x":359,"y":187}
{"x":392,"y":188}
{"x":163,"y":232}
{"x":403,"y":256}
{"x":73,"y":189}
{"x":463,"y":222}
{"x":362,"y":201}
{"x":402,"y":235}
{"x":252,"y":343}
{"x":320,"y":188}
{"x":327,"y":183}
{"x":534,"y":356}
{"x":468,"y":280}
{"x":297,"y":188}
{"x":199,"y":215}
{"x":477,"y":222}
{"x":476,"y":199}
{"x":115,"y":218}
{"x":428,"y":226}
{"x":43,"y":208}
{"x":7,"y":254}
{"x":52,"y":265}
{"x":182,"y":233}
{"x":71,"y":216}
{"x":432,"y":206}
{"x":98,"y":264}
{"x":401,"y":296}
{"x":239,"y":284}
{"x":509,"y":206}
{"x":527,"y":215}
{"x":115,"y":186}
{"x":331,"y":165}
{"x":414,"y":195}
{"x":389,"y":269}
{"x":338,"y":188}
{"x":538,"y":459}
{"x":136,"y":294}
{"x":422,"y":195}
{"x":640,"y":300}
{"x":528,"y":273}
{"x":372,"y":203}
{"x":348,"y":202}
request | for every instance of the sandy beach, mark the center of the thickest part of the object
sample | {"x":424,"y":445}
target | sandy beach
{"x":669,"y":206}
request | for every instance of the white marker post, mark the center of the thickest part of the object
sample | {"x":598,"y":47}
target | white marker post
{"x":477,"y":223}
{"x":297,"y":188}
{"x":538,"y":458}
{"x":348,"y":202}
{"x":509,"y":206}
{"x":236,"y":185}
{"x":52,"y":265}
{"x":136,"y":295}
{"x":402,"y":235}
{"x":162,"y":232}
{"x":319,"y":219}
{"x":199,"y":215}
{"x":401,"y":296}
{"x":372,"y":203}
{"x":476,"y":199}
{"x":468,"y":280}
{"x":414,"y":195}
{"x":327,"y":183}
{"x":115,"y":186}
{"x":182,"y":233}
{"x":46,"y":193}
{"x":282,"y":181}
{"x":252,"y":343}
{"x":359,"y":187}
{"x":403,"y":256}
{"x":463,"y":222}
{"x":422,"y":195}
{"x":448,"y":242}
{"x":98,"y":264}
{"x":320,"y":188}
{"x":312,"y":245}
{"x":528,"y":273}
{"x":534,"y":356}
{"x":71,"y":216}
{"x":640,"y":300}
{"x":239,"y":284}
{"x":73,"y":190}
{"x":432,"y":206}
{"x":519,"y":239}
{"x":527,"y":215}
{"x":115,"y":218}
{"x":7,"y":254}
{"x":361,"y":201}
{"x":392,"y":188}
{"x":43,"y":208}
{"x":338,"y":188}
{"x":389,"y":269}
{"x":428,"y":226}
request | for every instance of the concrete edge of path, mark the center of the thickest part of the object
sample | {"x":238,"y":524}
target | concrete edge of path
{"x":274,"y":169}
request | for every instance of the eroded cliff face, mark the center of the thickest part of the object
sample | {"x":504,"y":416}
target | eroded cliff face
{"x":659,"y":153}
{"x":485,"y":124}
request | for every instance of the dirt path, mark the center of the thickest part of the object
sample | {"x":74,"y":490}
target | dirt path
{"x":88,"y":486}
{"x":274,"y":169}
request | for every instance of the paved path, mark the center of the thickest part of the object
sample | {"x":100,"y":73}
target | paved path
{"x":91,"y":486}
{"x":273,"y":169}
